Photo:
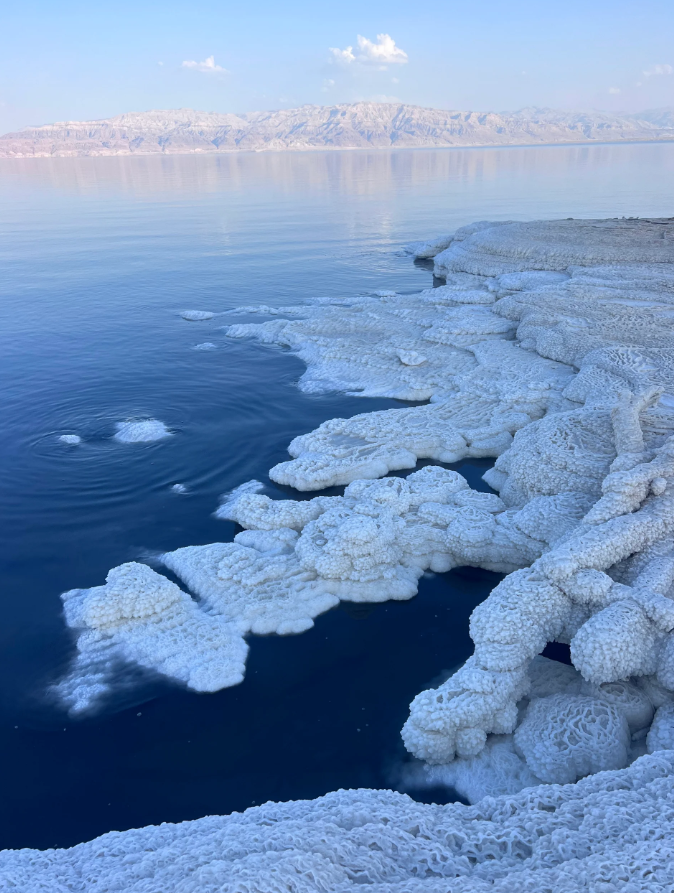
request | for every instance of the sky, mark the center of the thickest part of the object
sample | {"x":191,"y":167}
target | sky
{"x":71,"y":60}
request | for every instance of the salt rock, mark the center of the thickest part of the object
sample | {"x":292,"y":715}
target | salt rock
{"x":72,"y":439}
{"x":566,"y":737}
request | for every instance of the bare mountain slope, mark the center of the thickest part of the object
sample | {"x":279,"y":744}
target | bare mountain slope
{"x":356,"y":126}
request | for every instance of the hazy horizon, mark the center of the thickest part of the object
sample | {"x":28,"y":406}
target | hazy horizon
{"x":261,"y":111}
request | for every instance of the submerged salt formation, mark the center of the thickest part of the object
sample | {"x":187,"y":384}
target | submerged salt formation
{"x":196,"y":315}
{"x":141,"y":431}
{"x":610,"y":832}
{"x":549,"y":349}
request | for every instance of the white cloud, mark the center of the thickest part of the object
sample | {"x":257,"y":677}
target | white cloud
{"x":614,"y":90}
{"x":208,"y":66}
{"x":658,"y":69}
{"x":327,"y":84}
{"x":344,"y":57}
{"x":382,"y":53}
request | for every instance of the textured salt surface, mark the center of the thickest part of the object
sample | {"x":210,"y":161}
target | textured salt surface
{"x":143,"y":431}
{"x":72,"y":439}
{"x":549,"y":348}
{"x":609,"y":832}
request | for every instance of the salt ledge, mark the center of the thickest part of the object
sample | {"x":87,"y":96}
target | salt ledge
{"x":549,"y":348}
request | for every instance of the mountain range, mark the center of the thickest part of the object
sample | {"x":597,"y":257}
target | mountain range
{"x":359,"y":125}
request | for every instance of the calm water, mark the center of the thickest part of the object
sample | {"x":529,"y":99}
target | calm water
{"x":96,"y":258}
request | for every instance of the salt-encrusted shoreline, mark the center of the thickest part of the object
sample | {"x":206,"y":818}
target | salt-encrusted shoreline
{"x":611,"y":832}
{"x":550,"y":347}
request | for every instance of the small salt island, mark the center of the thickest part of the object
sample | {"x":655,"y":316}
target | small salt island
{"x":141,"y":431}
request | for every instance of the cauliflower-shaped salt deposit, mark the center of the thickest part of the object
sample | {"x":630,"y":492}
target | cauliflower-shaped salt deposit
{"x":565,"y":737}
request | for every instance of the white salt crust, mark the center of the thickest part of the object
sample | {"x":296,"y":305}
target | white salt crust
{"x":549,"y":348}
{"x":609,"y":833}
{"x":71,"y":439}
{"x":143,"y":431}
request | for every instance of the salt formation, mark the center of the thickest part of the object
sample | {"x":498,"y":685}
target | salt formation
{"x":196,"y":315}
{"x":72,"y":439}
{"x":205,"y":345}
{"x":179,"y":488}
{"x":609,"y":832}
{"x":548,"y":349}
{"x":142,"y":431}
{"x":141,"y":616}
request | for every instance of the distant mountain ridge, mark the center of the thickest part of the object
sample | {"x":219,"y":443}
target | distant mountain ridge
{"x":359,"y":125}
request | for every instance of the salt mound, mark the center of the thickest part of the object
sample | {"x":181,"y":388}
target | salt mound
{"x":206,"y":345}
{"x":196,"y":315}
{"x":179,"y":488}
{"x":143,"y":431}
{"x":72,"y":439}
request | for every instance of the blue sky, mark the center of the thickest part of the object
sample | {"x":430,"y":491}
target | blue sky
{"x":73,"y":60}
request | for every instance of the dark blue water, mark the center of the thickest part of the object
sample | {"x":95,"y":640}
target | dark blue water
{"x":96,"y":258}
